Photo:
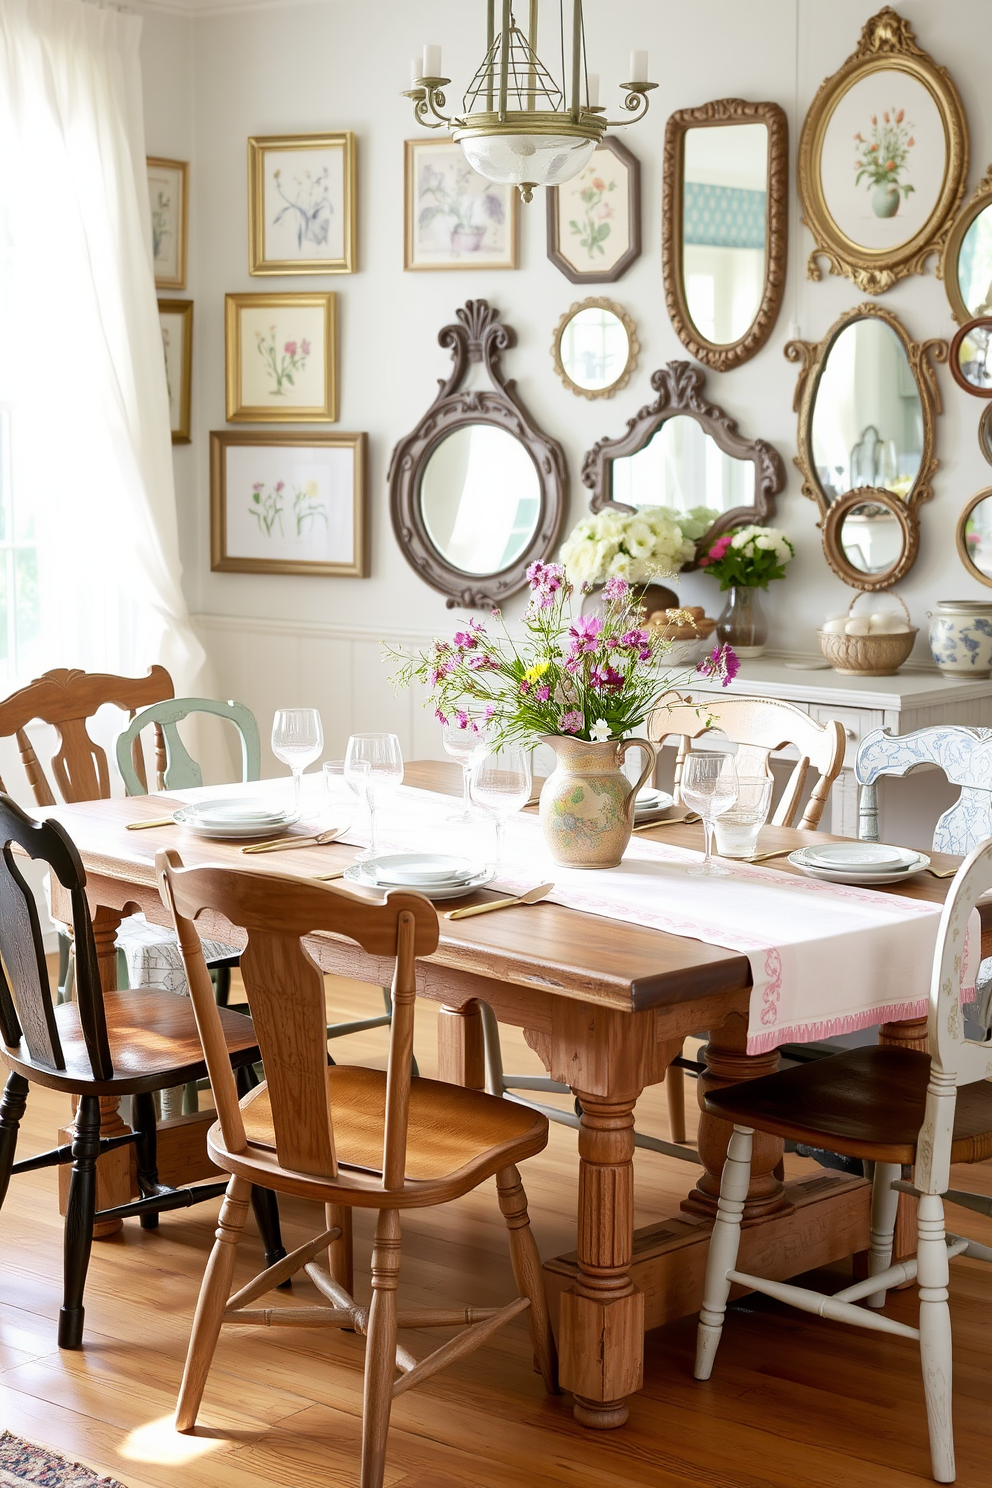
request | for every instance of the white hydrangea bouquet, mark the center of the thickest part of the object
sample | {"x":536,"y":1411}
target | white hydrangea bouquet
{"x":650,"y":543}
{"x":748,"y":558}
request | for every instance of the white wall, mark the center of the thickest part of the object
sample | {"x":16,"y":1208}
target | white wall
{"x":214,"y":80}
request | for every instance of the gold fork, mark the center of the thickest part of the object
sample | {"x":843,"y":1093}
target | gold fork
{"x":689,"y":820}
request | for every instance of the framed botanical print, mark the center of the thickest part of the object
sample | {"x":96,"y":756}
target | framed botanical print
{"x":301,"y":204}
{"x":168,"y":201}
{"x":176,"y":320}
{"x":883,"y":159}
{"x":594,"y":220}
{"x":288,"y":503}
{"x":455,"y":218}
{"x":281,"y":352}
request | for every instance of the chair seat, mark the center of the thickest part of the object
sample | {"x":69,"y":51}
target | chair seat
{"x":456,"y":1137}
{"x":868,"y":1103}
{"x":153,"y":1044}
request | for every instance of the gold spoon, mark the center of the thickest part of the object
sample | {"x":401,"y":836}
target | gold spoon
{"x":532,"y":896}
{"x":689,"y":820}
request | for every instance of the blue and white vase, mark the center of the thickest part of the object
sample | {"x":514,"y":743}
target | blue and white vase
{"x":961,"y":637}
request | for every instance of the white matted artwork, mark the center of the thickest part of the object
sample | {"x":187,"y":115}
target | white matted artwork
{"x":301,"y":204}
{"x":168,"y":196}
{"x":176,"y":320}
{"x":288,"y":503}
{"x":455,"y":218}
{"x":281,"y":358}
{"x":594,"y":220}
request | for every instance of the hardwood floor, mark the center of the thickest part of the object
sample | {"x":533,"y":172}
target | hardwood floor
{"x":795,"y":1402}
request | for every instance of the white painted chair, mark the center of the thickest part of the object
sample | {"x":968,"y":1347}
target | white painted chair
{"x":891,"y":1106}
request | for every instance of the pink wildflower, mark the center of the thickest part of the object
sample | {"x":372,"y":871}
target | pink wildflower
{"x":290,"y":348}
{"x":305,"y":348}
{"x":615,"y":590}
{"x":634,"y":639}
{"x":585,"y":631}
{"x":722,"y":662}
{"x":440,"y":717}
{"x":541,"y":694}
{"x":606,"y":678}
{"x":571,"y":723}
{"x":480,"y":662}
{"x":465,"y":639}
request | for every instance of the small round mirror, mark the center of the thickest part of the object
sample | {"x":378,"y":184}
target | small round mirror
{"x":595,"y":348}
{"x":480,"y":499}
{"x":871,"y":538}
{"x":970,"y":357}
{"x":975,"y":537}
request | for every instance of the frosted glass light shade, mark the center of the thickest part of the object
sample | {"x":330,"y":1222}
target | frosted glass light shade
{"x":542,"y":159}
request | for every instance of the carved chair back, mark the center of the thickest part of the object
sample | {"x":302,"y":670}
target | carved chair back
{"x":26,"y":1007}
{"x":758,"y":726}
{"x":67,"y":700}
{"x":175,"y":768}
{"x":965,"y":757}
{"x":286,"y":997}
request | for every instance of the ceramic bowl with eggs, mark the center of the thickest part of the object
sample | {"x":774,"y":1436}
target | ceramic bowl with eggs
{"x":867,"y":645}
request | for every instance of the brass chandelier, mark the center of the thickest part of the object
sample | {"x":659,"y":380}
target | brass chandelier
{"x":517,"y":126}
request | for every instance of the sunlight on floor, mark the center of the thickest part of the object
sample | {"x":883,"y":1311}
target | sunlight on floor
{"x":159,"y":1441}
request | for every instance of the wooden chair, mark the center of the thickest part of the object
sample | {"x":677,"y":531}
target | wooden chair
{"x":121,"y":1043}
{"x":343,"y":1136}
{"x":757,"y":726}
{"x":964,"y":755}
{"x":891,"y":1106}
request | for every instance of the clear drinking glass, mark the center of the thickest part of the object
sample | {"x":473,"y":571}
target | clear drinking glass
{"x":341,"y":798}
{"x":736,"y":831}
{"x":501,"y":783}
{"x":373,"y":768}
{"x":297,"y":740}
{"x":462,"y":744}
{"x":709,"y":786}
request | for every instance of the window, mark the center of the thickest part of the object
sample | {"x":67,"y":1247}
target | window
{"x":20,"y":607}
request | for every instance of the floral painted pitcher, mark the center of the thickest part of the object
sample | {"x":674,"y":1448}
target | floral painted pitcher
{"x":587,"y":803}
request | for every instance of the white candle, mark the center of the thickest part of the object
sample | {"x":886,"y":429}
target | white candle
{"x":592,"y":88}
{"x":432,"y":60}
{"x":414,"y":71}
{"x":638,"y":67}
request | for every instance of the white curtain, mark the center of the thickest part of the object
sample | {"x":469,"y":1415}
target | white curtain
{"x":81,"y":364}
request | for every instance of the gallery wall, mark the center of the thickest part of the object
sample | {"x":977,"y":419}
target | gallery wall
{"x":214,"y":79}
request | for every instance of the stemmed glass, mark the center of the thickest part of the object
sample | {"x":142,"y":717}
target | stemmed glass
{"x":297,"y":740}
{"x":709,"y":786}
{"x":373,"y":768}
{"x":501,"y":783}
{"x":462,"y":744}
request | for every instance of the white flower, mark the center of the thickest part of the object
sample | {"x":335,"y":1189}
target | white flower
{"x":600,"y":731}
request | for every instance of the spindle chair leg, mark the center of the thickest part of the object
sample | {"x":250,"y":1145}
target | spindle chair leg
{"x":380,"y":1352}
{"x":884,"y":1205}
{"x":935,"y":1333}
{"x":215,"y":1290}
{"x":15,"y":1096}
{"x":80,"y":1210}
{"x":675,"y":1095}
{"x":146,"y":1152}
{"x":340,"y":1252}
{"x":527,"y":1273}
{"x":724,"y":1244}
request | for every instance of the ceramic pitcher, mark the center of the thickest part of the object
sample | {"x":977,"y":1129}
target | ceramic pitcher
{"x":587,"y":803}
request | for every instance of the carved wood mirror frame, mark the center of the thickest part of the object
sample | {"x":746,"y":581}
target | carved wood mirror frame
{"x":721,"y":356}
{"x":679,"y":386}
{"x":478,"y":336}
{"x":947,"y":269}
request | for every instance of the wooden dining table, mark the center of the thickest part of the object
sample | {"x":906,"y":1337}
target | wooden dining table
{"x":606,"y":1006}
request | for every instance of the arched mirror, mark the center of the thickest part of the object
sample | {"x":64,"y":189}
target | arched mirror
{"x":595,"y":348}
{"x":683,"y":452}
{"x":967,"y":262}
{"x":970,"y":357}
{"x":975,"y":537}
{"x":725,"y":228}
{"x":869,"y":538}
{"x":477,"y":491}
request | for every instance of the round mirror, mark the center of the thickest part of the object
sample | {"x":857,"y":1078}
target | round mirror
{"x":970,"y":357}
{"x":683,"y":467}
{"x":975,"y":537}
{"x":867,"y":417}
{"x":480,"y":499}
{"x":724,"y":227}
{"x":871,"y":538}
{"x":985,"y":433}
{"x":595,"y":348}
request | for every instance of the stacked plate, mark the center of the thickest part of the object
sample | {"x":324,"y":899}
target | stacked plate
{"x":871,"y":863}
{"x":229,"y":820}
{"x":651,"y":803}
{"x":438,"y":875}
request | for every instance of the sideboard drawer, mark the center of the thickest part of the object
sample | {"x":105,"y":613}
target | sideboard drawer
{"x":857,"y":723}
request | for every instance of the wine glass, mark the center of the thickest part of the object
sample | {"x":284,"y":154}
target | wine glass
{"x":462,"y":744}
{"x":709,"y":786}
{"x":501,"y":783}
{"x":297,"y":740}
{"x":373,"y":768}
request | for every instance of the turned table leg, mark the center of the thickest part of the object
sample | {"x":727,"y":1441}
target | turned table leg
{"x":911,"y":1034}
{"x":460,"y":1049}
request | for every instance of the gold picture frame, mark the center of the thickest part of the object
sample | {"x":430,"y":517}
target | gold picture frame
{"x":482,"y":225}
{"x":290,"y":375}
{"x":864,"y":236}
{"x":321,"y":194}
{"x":275,"y":512}
{"x":168,"y":204}
{"x":177,"y":346}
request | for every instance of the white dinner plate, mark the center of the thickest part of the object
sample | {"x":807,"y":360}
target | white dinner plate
{"x":358,"y":875}
{"x":862,"y":857}
{"x":651,"y":802}
{"x":237,"y":813}
{"x":189,"y":817}
{"x":416,"y":870}
{"x":866,"y":878}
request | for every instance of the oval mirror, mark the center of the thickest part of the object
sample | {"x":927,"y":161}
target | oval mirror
{"x":970,"y":357}
{"x":869,"y":538}
{"x":985,"y":433}
{"x":724,"y":227}
{"x":975,"y":537}
{"x":480,"y":498}
{"x":967,"y":260}
{"x":682,"y":466}
{"x":595,"y":348}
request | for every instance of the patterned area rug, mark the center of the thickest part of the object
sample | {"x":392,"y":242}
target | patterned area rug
{"x":22,"y":1462}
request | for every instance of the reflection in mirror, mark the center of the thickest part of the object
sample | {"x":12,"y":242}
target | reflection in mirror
{"x":595,"y":348}
{"x":724,"y":221}
{"x":975,"y":536}
{"x":480,"y":499}
{"x":970,"y":357}
{"x":871,"y":538}
{"x":683,"y":467}
{"x":974,"y":266}
{"x":867,"y":424}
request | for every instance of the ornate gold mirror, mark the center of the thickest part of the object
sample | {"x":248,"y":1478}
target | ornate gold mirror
{"x":595,"y":348}
{"x":966,"y":266}
{"x":867,"y":398}
{"x":725,"y":227}
{"x":477,"y":491}
{"x":683,"y":452}
{"x":974,"y":537}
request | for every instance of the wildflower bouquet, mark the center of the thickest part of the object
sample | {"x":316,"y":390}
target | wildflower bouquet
{"x":884,"y":155}
{"x":749,"y":558}
{"x":594,"y":677}
{"x":640,"y":546}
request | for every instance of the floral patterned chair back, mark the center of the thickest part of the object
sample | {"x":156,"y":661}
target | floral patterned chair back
{"x":965,"y":757}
